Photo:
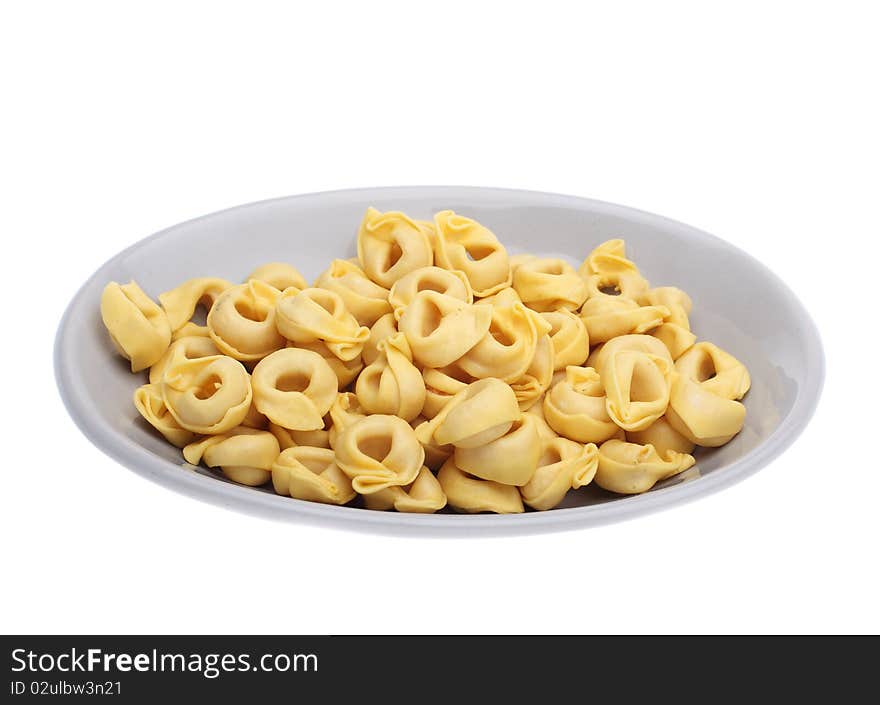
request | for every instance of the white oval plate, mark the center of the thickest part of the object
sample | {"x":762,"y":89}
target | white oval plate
{"x":738,"y":304}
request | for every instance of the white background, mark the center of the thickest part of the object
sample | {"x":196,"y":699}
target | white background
{"x":755,"y":121}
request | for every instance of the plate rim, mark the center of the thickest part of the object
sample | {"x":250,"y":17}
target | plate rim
{"x":244,"y":499}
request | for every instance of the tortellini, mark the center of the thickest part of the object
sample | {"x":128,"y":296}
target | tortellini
{"x":716,"y":370}
{"x":479,"y":414}
{"x":464,"y":245}
{"x":440,"y":329}
{"x":639,"y":343}
{"x":608,"y":271}
{"x":468,"y":494}
{"x":244,"y":455}
{"x":424,"y":495}
{"x":294,"y":388}
{"x":507,"y":348}
{"x":379,"y":452}
{"x":391,"y":245}
{"x":703,"y":402}
{"x":150,"y":404}
{"x":701,"y":415}
{"x":549,"y":285}
{"x":609,"y":256}
{"x":571,"y":344}
{"x":384,"y":327}
{"x":606,"y":317}
{"x":538,"y":377}
{"x":432,"y":372}
{"x":563,"y":465}
{"x":363,"y":298}
{"x":181,"y":302}
{"x":675,"y":331}
{"x":191,"y":347}
{"x":636,"y":388}
{"x":207,"y":395}
{"x":576,"y":408}
{"x":449,"y":282}
{"x":630,"y":468}
{"x":139,"y":329}
{"x":309,"y":473}
{"x":242,"y":321}
{"x":316,"y":314}
{"x":440,"y":386}
{"x":391,"y":384}
{"x":510,"y":459}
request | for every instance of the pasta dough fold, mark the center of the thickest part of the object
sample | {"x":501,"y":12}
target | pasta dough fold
{"x":180,"y":303}
{"x":662,"y":436}
{"x":190,"y":329}
{"x":435,"y":455}
{"x":319,"y":438}
{"x":607,"y":269}
{"x":346,"y":371}
{"x":423,"y":496}
{"x":675,"y":332}
{"x":384,"y":327}
{"x":544,"y":431}
{"x":191,"y":347}
{"x":571,"y":344}
{"x":345,"y":410}
{"x":676,"y":338}
{"x":538,"y":377}
{"x":279,"y":275}
{"x":150,"y":404}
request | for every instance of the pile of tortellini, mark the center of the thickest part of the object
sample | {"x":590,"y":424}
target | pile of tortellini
{"x":433,"y":369}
